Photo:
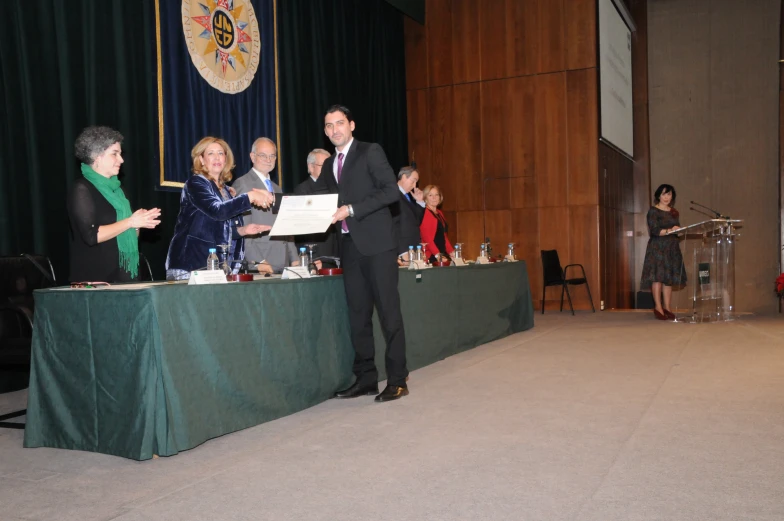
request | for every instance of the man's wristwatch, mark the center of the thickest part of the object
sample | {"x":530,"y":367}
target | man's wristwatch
{"x":350,"y":211}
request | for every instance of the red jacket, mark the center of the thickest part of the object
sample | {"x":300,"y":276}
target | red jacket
{"x":428,"y":232}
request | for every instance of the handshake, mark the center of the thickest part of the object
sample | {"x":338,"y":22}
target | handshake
{"x":261,"y":198}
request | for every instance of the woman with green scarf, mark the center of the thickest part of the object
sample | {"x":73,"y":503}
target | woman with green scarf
{"x":104,"y":232}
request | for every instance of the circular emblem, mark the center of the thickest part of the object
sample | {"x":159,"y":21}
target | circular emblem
{"x":223,"y":40}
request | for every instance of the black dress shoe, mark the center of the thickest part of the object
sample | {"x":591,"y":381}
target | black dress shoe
{"x":358,"y":390}
{"x":392,"y":392}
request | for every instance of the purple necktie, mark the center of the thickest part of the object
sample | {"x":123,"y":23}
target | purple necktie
{"x":343,"y":223}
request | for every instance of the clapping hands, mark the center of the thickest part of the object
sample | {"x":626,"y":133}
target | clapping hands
{"x":143,"y":218}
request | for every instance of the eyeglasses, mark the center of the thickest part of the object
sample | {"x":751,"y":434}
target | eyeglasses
{"x":319,"y":164}
{"x":265,"y":157}
{"x":88,"y":284}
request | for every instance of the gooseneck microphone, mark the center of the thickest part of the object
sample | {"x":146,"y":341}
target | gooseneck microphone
{"x":718,"y":215}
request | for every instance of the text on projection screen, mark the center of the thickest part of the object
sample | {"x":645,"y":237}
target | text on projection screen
{"x":615,"y":78}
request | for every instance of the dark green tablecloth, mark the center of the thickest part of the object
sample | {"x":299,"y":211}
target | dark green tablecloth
{"x":137,"y":372}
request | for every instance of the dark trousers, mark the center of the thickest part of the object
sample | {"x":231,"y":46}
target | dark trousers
{"x":373,"y":281}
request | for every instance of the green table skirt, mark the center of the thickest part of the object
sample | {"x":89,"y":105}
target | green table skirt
{"x":139,"y":372}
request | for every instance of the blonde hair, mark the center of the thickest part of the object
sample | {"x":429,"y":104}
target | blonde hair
{"x":429,"y":188}
{"x":200,"y":169}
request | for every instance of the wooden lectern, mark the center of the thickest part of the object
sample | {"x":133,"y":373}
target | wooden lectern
{"x":709,"y":261}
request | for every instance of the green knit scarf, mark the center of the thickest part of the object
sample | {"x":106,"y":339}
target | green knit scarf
{"x":127,"y":242}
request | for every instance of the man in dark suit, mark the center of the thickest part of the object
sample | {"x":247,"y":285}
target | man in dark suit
{"x":315,"y":161}
{"x":325,"y":243}
{"x":407,"y":212}
{"x":365,"y":183}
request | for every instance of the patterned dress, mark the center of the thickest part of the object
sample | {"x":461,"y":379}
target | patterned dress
{"x":663,"y":260}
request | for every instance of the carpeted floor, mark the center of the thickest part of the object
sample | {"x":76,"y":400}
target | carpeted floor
{"x":601,"y":417}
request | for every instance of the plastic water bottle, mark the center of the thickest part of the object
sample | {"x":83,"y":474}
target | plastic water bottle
{"x":483,"y":250}
{"x":411,"y":264}
{"x":419,"y":252}
{"x":212,"y":260}
{"x":511,"y":253}
{"x":303,"y":258}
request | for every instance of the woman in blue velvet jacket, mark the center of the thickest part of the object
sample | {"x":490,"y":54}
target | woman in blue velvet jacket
{"x":210,"y":215}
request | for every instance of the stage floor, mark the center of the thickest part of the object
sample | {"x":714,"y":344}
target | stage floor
{"x":605,"y":416}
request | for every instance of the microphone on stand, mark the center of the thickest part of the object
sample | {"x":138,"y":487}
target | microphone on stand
{"x":718,"y":215}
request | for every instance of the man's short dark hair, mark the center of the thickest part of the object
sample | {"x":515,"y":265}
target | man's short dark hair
{"x":341,"y":108}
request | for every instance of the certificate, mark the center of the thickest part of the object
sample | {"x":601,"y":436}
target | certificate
{"x":304,"y":214}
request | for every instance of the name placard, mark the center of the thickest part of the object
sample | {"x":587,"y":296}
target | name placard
{"x":458,"y":262}
{"x":296,"y":272}
{"x":207,"y":277}
{"x":483,"y":260}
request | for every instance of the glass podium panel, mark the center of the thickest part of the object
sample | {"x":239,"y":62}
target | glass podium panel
{"x":708,"y":250}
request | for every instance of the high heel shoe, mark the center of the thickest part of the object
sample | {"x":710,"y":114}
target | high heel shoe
{"x":659,"y":316}
{"x":669,"y":315}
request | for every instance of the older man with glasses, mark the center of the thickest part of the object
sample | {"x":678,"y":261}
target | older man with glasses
{"x":276,"y":252}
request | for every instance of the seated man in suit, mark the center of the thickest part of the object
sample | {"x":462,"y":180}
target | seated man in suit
{"x":407,"y":213}
{"x":275,"y":252}
{"x":315,"y":159}
{"x":325,"y":243}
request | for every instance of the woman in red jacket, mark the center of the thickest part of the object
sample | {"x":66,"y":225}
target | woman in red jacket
{"x":433,"y":229}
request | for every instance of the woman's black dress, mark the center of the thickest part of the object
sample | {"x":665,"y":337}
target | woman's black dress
{"x":92,"y":261}
{"x":663,"y":260}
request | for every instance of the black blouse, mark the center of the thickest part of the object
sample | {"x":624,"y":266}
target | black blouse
{"x":91,"y":261}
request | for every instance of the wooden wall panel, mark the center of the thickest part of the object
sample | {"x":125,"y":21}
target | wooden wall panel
{"x":580,"y":33}
{"x":584,"y":249}
{"x":552,"y":51}
{"x":416,"y":54}
{"x":453,"y":231}
{"x":554,"y":230}
{"x":497,"y":193}
{"x":511,"y":123}
{"x":471,"y":227}
{"x":419,"y":130}
{"x":498,"y":228}
{"x":496,"y":142}
{"x":583,"y":137}
{"x":492,"y":40}
{"x":441,"y":147}
{"x":465,"y":35}
{"x":525,"y":235}
{"x":465,"y":176}
{"x":438,"y":27}
{"x":522,"y":37}
{"x":554,"y":235}
{"x":523,"y":192}
{"x":550,"y":139}
{"x":521,"y":116}
{"x":617,"y":249}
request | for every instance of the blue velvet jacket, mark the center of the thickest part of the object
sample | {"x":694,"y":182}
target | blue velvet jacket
{"x":205,"y":220}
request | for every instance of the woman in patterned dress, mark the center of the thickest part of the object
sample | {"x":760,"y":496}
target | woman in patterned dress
{"x":663,"y":266}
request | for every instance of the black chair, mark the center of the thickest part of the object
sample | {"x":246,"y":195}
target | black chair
{"x":20,"y":275}
{"x":145,"y":272}
{"x":554,"y":275}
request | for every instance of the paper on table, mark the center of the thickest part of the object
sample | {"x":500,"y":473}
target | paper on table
{"x":304,"y":214}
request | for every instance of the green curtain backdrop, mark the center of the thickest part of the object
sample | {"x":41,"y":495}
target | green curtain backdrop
{"x":350,"y":52}
{"x":67,"y":65}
